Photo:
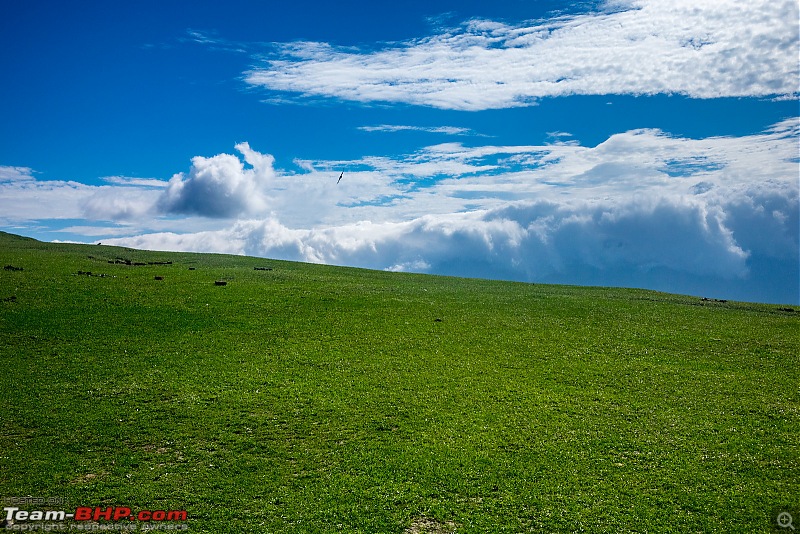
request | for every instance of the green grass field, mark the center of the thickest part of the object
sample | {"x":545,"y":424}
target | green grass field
{"x":311,"y":398}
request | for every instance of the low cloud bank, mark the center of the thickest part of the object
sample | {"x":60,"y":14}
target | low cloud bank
{"x":728,"y":250}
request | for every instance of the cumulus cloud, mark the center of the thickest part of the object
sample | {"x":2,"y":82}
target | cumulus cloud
{"x":221,"y":186}
{"x":725,"y":48}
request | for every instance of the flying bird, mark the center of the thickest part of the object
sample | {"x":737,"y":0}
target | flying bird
{"x":340,"y":177}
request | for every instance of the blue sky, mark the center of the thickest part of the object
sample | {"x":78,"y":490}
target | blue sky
{"x":627,"y":142}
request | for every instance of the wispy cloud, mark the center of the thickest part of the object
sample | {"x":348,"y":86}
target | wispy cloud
{"x":134,"y":181}
{"x":15,"y":174}
{"x":448,"y":130}
{"x":214,"y":41}
{"x":725,"y":48}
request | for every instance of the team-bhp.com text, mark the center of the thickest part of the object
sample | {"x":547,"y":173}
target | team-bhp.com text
{"x":86,"y":518}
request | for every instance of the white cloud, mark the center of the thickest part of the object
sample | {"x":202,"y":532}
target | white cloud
{"x":220,"y":186}
{"x":134,"y":181}
{"x":448,"y":130}
{"x":123,"y":203}
{"x":28,"y":199}
{"x":213,"y":41}
{"x":725,"y":48}
{"x":15,"y":174}
{"x":415,"y":266}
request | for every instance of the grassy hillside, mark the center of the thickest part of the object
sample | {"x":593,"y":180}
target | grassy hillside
{"x":310,"y":398}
